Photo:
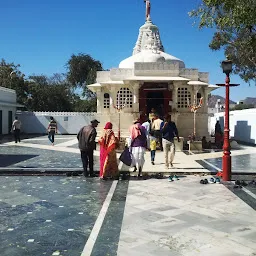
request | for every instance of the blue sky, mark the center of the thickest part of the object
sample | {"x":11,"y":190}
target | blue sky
{"x":42,"y":35}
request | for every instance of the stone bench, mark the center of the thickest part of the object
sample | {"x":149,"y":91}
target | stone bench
{"x":195,"y":145}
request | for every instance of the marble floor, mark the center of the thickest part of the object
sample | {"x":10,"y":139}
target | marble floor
{"x":60,"y":215}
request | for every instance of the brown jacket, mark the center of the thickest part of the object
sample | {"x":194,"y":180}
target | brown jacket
{"x":86,"y":138}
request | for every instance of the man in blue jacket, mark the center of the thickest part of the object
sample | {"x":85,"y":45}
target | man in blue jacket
{"x":169,"y":131}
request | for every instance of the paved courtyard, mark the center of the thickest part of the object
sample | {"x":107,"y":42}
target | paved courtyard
{"x":44,"y":212}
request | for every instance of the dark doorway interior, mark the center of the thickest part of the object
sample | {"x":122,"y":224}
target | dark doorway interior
{"x":155,"y":99}
{"x":9,"y":121}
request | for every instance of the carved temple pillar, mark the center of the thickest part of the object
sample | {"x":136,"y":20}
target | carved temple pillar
{"x":99,"y":100}
{"x":112,"y":95}
{"x":135,"y":105}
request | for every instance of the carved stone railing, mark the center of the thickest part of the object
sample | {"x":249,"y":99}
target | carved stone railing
{"x":156,"y":69}
{"x":103,"y":76}
{"x":117,"y":74}
{"x":190,"y":73}
{"x":204,"y":76}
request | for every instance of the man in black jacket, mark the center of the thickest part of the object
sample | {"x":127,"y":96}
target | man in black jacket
{"x":86,"y":143}
{"x":169,"y":131}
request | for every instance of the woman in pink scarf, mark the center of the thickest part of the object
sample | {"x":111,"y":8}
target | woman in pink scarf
{"x":108,"y":144}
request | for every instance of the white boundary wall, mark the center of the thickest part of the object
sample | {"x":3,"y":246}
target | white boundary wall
{"x":68,"y":122}
{"x":242,"y":124}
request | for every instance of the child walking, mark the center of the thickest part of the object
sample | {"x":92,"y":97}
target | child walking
{"x":152,"y":140}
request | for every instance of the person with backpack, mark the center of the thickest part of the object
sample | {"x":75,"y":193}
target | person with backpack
{"x":169,"y":131}
{"x":138,"y":144}
{"x":52,"y":130}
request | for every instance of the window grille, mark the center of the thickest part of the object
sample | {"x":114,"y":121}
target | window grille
{"x":124,"y":97}
{"x":106,"y":103}
{"x":183,"y":98}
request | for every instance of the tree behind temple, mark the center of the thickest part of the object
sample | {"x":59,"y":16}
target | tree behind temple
{"x":81,"y":71}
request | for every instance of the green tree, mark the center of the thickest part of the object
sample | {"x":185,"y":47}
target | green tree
{"x":50,"y":94}
{"x":81,"y":71}
{"x":85,"y":105}
{"x":235,"y":24}
{"x":11,"y":77}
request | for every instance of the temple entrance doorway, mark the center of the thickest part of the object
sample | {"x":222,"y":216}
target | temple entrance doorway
{"x":155,"y":99}
{"x":155,"y":95}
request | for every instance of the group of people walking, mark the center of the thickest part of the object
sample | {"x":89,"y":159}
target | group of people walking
{"x":51,"y":129}
{"x":143,"y":137}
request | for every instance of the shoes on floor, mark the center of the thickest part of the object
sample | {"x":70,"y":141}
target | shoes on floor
{"x":175,"y":177}
{"x":170,"y":179}
{"x":171,"y":164}
{"x":159,"y":175}
{"x":135,"y":169}
{"x":205,"y":181}
{"x":243,"y":183}
{"x":237,"y":186}
{"x":237,"y":182}
{"x":252,"y":183}
{"x":217,"y":180}
{"x":212,"y":181}
{"x":153,"y":163}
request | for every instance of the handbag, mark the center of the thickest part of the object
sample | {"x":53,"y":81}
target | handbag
{"x":126,"y":157}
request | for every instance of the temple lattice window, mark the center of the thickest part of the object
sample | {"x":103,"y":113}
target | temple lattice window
{"x":183,"y":97}
{"x":106,"y":102}
{"x":124,"y":97}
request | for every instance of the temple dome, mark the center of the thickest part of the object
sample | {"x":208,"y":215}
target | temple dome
{"x":149,"y":48}
{"x":149,"y":56}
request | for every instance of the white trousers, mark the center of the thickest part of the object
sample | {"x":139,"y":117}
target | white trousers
{"x":138,"y":159}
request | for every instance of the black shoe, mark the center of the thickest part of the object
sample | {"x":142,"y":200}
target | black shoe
{"x":243,"y":183}
{"x":252,"y":183}
{"x":93,"y":175}
{"x":159,"y":175}
{"x":206,"y":181}
{"x":202,"y":182}
{"x":86,"y":174}
{"x":238,"y":182}
{"x":152,"y":163}
{"x":135,"y":169}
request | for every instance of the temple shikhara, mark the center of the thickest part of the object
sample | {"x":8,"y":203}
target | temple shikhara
{"x":152,"y":78}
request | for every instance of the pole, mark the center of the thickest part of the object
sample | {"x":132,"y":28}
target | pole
{"x":226,"y":159}
{"x":194,"y":124}
{"x":119,"y":133}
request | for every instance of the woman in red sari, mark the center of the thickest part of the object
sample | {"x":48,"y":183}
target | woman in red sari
{"x":108,"y":161}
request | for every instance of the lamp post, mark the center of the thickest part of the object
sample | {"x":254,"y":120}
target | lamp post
{"x":193,"y":108}
{"x":226,"y":158}
{"x":119,"y":107}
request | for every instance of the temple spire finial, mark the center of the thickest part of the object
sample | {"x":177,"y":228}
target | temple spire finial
{"x":148,"y":7}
